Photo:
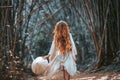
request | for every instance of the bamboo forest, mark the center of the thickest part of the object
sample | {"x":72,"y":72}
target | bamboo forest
{"x":27,"y":32}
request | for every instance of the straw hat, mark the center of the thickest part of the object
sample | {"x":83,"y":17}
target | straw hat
{"x":39,"y":65}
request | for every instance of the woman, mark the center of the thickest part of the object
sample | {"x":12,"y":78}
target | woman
{"x":63,"y":52}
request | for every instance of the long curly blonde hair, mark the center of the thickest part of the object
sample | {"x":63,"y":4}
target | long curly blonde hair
{"x":62,"y":37}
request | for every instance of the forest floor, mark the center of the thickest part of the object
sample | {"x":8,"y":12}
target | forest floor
{"x":111,"y":72}
{"x":83,"y":76}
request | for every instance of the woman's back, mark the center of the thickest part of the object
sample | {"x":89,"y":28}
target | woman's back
{"x":62,"y":51}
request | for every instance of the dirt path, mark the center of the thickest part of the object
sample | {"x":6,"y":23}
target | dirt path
{"x":84,"y":76}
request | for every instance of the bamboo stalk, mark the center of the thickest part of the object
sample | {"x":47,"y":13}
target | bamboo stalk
{"x":103,"y":36}
{"x":38,"y":24}
{"x":6,"y":6}
{"x":89,"y":27}
{"x":15,"y":27}
{"x":27,"y":23}
{"x":79,"y":14}
{"x":92,"y":25}
{"x":118,"y":23}
{"x":33,"y":10}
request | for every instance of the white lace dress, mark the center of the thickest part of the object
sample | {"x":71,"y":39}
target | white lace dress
{"x":67,"y":60}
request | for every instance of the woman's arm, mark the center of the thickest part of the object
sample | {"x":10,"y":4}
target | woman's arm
{"x":51,"y":53}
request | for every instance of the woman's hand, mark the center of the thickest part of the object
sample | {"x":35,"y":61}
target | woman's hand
{"x":46,"y":56}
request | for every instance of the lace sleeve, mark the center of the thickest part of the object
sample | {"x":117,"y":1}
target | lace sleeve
{"x":74,"y":51}
{"x":52,"y":48}
{"x":52,"y":51}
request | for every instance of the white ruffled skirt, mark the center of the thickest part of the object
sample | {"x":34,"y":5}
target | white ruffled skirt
{"x":59,"y":60}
